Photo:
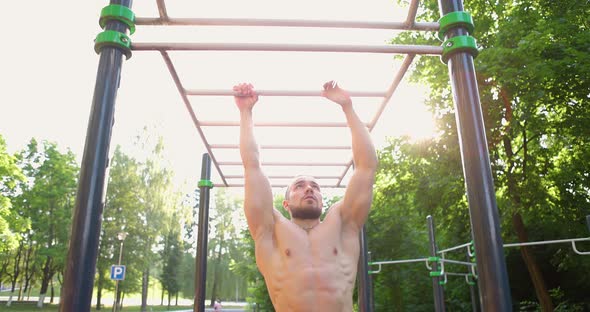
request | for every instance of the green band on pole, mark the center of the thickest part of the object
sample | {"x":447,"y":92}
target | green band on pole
{"x":455,"y":19}
{"x":111,"y":38}
{"x":436,"y":274}
{"x":432,"y":259}
{"x":120,"y":13}
{"x":442,"y":282}
{"x":458,"y":44}
{"x":470,"y":279}
{"x":206,"y":183}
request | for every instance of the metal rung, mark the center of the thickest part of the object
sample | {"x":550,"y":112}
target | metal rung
{"x":280,"y":185}
{"x":282,"y":177}
{"x":393,"y":49}
{"x":290,"y":147}
{"x":428,"y":26}
{"x":326,"y":164}
{"x":274,"y":124}
{"x":213,"y":92}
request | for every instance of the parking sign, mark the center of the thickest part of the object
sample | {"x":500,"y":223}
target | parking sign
{"x":117,"y":272}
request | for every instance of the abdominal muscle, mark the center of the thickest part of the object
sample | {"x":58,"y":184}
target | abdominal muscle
{"x":310,"y":290}
{"x":310,"y":272}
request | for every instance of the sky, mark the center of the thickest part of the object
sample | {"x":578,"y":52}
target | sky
{"x":49,"y":67}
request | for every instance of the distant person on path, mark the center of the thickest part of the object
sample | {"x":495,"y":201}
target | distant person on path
{"x":217,"y":306}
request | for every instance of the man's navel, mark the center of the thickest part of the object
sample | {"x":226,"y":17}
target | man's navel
{"x":335,"y":251}
{"x":288,"y":252}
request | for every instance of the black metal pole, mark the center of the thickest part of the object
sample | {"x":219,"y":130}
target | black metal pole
{"x":588,"y":222}
{"x":364,"y":286}
{"x":492,"y":274}
{"x":86,"y":222}
{"x":438,"y":291}
{"x":201,"y":258}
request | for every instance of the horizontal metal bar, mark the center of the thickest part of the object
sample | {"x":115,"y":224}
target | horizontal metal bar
{"x":282,"y":177}
{"x":320,"y":164}
{"x":457,"y":274}
{"x":274,"y":124}
{"x":279,"y":185}
{"x":219,"y":92}
{"x":457,"y":262}
{"x":393,"y":49}
{"x":399,"y":261}
{"x":424,"y":26}
{"x":290,"y":147}
{"x":548,"y":242}
{"x":455,"y":248}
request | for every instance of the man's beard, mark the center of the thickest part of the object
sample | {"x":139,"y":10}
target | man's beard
{"x":308,"y":213}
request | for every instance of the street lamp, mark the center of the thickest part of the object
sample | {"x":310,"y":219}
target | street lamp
{"x":121,"y":236}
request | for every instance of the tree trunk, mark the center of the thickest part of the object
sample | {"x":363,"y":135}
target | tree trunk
{"x":16,"y":270}
{"x":52,"y":291}
{"x":216,"y":273}
{"x":28,"y":274}
{"x":145,"y":281}
{"x":99,"y":286}
{"x":44,"y":281}
{"x":517,"y":222}
{"x":532,"y":266}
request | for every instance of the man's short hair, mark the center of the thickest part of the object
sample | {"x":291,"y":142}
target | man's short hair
{"x":293,"y":182}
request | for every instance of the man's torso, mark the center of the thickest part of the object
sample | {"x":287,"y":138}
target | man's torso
{"x":310,"y":271}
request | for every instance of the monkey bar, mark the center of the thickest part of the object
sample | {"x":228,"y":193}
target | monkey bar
{"x":113,"y":43}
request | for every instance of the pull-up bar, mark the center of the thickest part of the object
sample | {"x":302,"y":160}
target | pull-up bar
{"x":276,"y":124}
{"x":285,"y":147}
{"x":392,"y":49}
{"x":431,"y":26}
{"x":212,"y":92}
{"x":319,"y":164}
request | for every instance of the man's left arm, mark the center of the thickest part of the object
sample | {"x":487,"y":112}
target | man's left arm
{"x":354,"y":207}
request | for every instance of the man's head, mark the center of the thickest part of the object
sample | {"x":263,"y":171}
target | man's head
{"x":303,"y":198}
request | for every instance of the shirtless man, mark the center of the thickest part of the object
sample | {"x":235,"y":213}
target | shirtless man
{"x":308,"y":265}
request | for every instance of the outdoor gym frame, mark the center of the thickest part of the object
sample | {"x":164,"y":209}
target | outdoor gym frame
{"x":457,"y":51}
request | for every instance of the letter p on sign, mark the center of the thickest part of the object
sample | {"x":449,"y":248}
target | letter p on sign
{"x":118,"y":272}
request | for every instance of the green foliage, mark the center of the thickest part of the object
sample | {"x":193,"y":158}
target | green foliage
{"x":247,"y":269}
{"x":47,"y":199}
{"x":171,"y":259}
{"x":533,"y":73}
{"x":224,"y":246}
{"x":11,"y":223}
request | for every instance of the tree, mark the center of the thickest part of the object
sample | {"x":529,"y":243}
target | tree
{"x":11,"y":223}
{"x":171,"y":259}
{"x":157,"y":204}
{"x":120,"y":215}
{"x":225,"y":215}
{"x":532,"y":71}
{"x":47,"y":199}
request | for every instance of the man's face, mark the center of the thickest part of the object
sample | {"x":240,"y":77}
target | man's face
{"x":305,"y":199}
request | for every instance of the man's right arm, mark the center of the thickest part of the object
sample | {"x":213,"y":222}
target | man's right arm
{"x":258,"y":203}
